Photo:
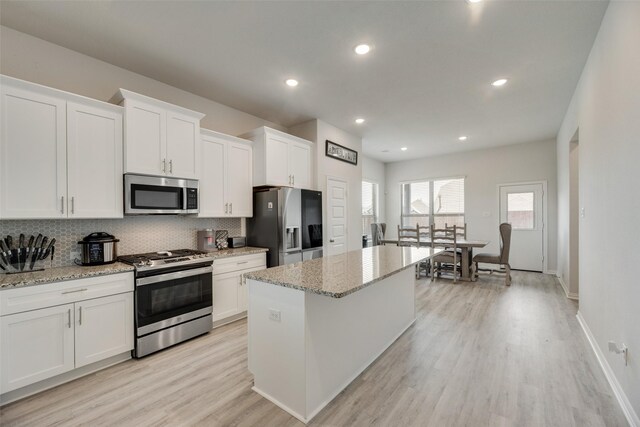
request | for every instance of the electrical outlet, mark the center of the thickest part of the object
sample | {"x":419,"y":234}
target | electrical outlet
{"x":274,"y":315}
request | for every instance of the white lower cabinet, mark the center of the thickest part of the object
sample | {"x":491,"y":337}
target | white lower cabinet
{"x":52,"y":329}
{"x":103,"y":328}
{"x":229,"y":288}
{"x":36,"y":345}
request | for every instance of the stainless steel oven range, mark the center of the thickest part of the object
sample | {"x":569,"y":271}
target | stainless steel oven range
{"x":173,"y":298}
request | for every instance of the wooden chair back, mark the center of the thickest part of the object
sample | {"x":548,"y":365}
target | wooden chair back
{"x":444,"y":237}
{"x":461,"y":230}
{"x":408,"y":236}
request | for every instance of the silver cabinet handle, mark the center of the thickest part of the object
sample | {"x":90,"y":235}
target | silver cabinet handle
{"x":69,"y":318}
{"x":170,"y":166}
{"x":62,"y":205}
{"x":243,"y":262}
{"x":73,"y":204}
{"x":80,"y":315}
{"x":293,"y":179}
{"x":230,"y":208}
{"x":226,"y":208}
{"x":164,"y":165}
{"x":72,"y":292}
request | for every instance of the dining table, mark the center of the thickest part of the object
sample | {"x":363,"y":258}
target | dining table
{"x":465,"y":245}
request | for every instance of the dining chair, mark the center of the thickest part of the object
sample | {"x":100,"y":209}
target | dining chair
{"x":409,"y":236}
{"x":424,"y":235}
{"x":448,"y":259}
{"x":461,"y":230}
{"x":377,"y":233}
{"x":501,"y":259}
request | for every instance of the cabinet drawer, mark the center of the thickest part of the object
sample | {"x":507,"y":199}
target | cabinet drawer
{"x":41,"y":296}
{"x":237,"y":263}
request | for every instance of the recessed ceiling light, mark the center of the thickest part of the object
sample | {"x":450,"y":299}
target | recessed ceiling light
{"x":385,"y":151}
{"x":462,"y":138}
{"x":499,"y":82}
{"x":291,"y":82}
{"x":362,"y":49}
{"x":360,"y":120}
{"x":474,"y":1}
{"x":404,"y":148}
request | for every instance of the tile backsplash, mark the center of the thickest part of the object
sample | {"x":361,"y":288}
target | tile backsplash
{"x":137,"y":234}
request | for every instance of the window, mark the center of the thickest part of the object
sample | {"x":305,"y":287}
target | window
{"x":437,"y":202}
{"x":520,"y":212}
{"x":369,"y":205}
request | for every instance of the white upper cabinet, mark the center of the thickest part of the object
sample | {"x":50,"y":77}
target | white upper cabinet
{"x":280,"y":159}
{"x":94,"y":161}
{"x":33,"y":156}
{"x":226,"y":177}
{"x":159,"y":138}
{"x":60,"y":154}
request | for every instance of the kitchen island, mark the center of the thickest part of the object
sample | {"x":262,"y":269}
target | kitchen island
{"x":314,"y":326}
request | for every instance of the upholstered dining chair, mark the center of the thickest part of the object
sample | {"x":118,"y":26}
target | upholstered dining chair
{"x":448,"y":259}
{"x":377,"y":233}
{"x":501,"y":259}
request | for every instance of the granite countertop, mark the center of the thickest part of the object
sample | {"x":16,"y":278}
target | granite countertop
{"x":58,"y":274}
{"x":247,"y":250}
{"x":340,"y":275}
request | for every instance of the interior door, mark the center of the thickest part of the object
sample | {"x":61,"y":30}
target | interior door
{"x":522,"y":206}
{"x":239,"y":180}
{"x":212,"y":179}
{"x":337,"y":216}
{"x":94,"y":161}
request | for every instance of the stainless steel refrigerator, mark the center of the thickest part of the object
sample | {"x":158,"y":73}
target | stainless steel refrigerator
{"x":288,"y":221}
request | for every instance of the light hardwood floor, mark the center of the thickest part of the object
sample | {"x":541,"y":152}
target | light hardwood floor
{"x":479,"y":354}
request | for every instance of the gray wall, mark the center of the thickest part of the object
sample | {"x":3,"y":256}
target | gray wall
{"x":606,"y":110}
{"x":484,"y":170}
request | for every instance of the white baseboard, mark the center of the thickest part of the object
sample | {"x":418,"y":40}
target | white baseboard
{"x":628,"y":410}
{"x":570,"y":295}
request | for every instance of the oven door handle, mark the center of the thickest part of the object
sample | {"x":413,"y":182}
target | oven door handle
{"x":175,"y":275}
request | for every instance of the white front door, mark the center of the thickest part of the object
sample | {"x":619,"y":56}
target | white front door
{"x":522,"y":206}
{"x":337,"y":216}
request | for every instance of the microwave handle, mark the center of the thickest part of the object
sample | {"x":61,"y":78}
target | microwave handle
{"x":175,"y":275}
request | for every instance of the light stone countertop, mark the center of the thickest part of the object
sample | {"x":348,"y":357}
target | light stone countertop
{"x":247,"y":250}
{"x":59,"y":274}
{"x":340,"y":275}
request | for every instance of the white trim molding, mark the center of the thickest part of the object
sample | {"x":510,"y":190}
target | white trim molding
{"x":619,"y":393}
{"x":570,"y":295}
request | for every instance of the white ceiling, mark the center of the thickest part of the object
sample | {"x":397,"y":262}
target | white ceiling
{"x":426,"y":81}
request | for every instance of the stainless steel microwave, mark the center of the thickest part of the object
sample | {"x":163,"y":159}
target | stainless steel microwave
{"x":146,"y":195}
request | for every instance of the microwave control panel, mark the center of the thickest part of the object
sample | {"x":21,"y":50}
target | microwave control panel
{"x":192,"y":198}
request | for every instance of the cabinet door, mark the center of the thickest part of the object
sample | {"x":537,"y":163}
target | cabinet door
{"x":239,"y":179}
{"x":277,"y":161}
{"x":94,"y":162}
{"x":300,"y":164}
{"x":144,"y":139}
{"x":104,"y":328}
{"x":33,"y":155}
{"x":225,"y":295}
{"x":183,"y":146}
{"x":36,"y":345}
{"x":212,"y":179}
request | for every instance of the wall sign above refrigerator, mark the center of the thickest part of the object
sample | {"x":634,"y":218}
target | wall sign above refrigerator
{"x":340,"y":152}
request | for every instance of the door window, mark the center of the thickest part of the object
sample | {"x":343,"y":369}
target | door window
{"x":520,"y":210}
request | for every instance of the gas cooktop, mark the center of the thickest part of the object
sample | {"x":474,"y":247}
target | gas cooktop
{"x":163,"y":259}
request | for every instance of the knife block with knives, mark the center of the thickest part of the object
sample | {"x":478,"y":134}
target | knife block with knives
{"x":23,"y":256}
